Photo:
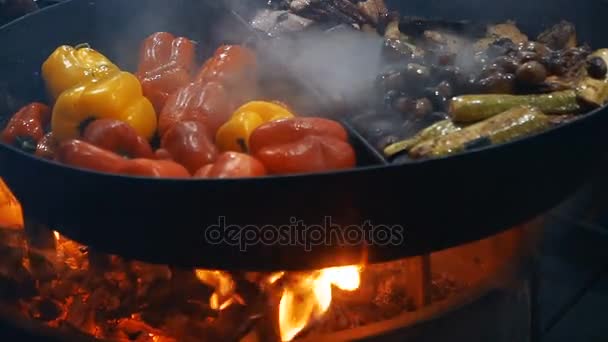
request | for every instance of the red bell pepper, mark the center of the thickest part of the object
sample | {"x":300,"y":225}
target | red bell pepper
{"x":189,"y":144}
{"x":26,"y":127}
{"x":234,"y":67}
{"x":232,"y":165}
{"x":83,"y":155}
{"x":207,"y":103}
{"x":302,"y":145}
{"x":154,"y":168}
{"x":47,"y":146}
{"x":118,"y":137}
{"x":166,"y":64}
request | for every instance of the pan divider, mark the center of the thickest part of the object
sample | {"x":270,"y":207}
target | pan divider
{"x":367,"y":155}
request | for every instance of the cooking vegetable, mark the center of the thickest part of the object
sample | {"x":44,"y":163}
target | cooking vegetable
{"x":531,"y":73}
{"x":26,"y":127}
{"x":11,"y":213}
{"x":154,"y":168}
{"x":592,"y":90}
{"x":83,"y":155}
{"x":300,"y":145}
{"x":501,"y":128}
{"x":235,"y":68}
{"x":116,"y":97}
{"x":166,"y":64}
{"x":471,"y":108}
{"x":118,"y":137}
{"x":189,"y":144}
{"x":232,"y":165}
{"x":234,"y":134}
{"x":46,"y":146}
{"x":70,"y":66}
{"x":207,"y":103}
{"x":438,"y":129}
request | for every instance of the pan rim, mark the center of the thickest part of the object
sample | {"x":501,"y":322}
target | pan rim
{"x":387,"y":166}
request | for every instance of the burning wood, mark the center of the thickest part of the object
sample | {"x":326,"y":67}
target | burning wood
{"x":130,"y":300}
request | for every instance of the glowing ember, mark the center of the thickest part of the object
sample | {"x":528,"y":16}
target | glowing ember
{"x":224,"y":286}
{"x":307,"y":297}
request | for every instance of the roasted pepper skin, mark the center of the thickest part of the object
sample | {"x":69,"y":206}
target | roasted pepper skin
{"x":189,"y":144}
{"x":70,"y":66}
{"x":83,"y":155}
{"x":302,"y":145}
{"x":166,"y":64}
{"x":116,"y":97}
{"x":234,"y":67}
{"x":205,"y":103}
{"x":27,"y":126}
{"x":46,"y":147}
{"x":234,"y":134}
{"x":118,"y":137}
{"x":154,"y":169}
{"x":232,"y":165}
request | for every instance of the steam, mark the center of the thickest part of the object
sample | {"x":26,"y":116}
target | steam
{"x":336,"y":66}
{"x":340,"y":66}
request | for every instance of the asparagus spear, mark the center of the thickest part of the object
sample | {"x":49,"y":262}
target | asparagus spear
{"x":472,"y":108}
{"x":506,"y":126}
{"x":437,"y":129}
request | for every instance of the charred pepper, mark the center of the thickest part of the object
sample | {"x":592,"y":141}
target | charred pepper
{"x":70,"y":66}
{"x":207,"y":103}
{"x":234,"y":67}
{"x":301,"y":145}
{"x":118,"y":137}
{"x":166,"y":64}
{"x":25,"y":129}
{"x":154,"y":169}
{"x":232,"y":165}
{"x":116,"y":97}
{"x":46,"y":146}
{"x":83,"y":155}
{"x":189,"y":144}
{"x":234,"y":134}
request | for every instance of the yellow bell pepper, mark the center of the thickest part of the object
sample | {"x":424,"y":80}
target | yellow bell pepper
{"x":70,"y":66}
{"x":234,"y":134}
{"x":116,"y":97}
{"x":11,"y":214}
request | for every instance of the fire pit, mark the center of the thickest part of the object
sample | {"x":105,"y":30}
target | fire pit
{"x":52,"y":286}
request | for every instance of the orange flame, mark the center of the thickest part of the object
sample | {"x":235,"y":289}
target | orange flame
{"x":11,"y":214}
{"x":309,"y":297}
{"x":224,"y":286}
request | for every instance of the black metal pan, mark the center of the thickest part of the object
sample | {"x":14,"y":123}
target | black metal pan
{"x":438,"y":203}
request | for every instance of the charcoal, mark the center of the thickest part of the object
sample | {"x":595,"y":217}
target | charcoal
{"x":42,"y":267}
{"x":39,"y":235}
{"x":19,"y":285}
{"x":45,"y":309}
{"x":81,"y":315}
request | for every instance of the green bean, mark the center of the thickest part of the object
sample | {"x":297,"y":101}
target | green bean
{"x":472,"y":108}
{"x":501,"y":128}
{"x":437,"y":129}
